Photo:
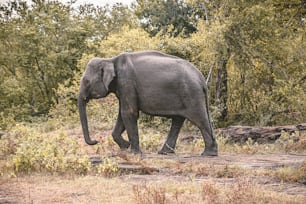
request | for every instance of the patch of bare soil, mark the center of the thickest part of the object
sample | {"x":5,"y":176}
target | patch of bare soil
{"x":9,"y":192}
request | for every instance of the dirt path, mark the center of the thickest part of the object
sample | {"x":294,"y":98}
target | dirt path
{"x":232,"y":163}
{"x":154,"y":168}
{"x":244,"y":160}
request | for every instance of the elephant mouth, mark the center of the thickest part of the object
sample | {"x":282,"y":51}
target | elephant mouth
{"x":92,"y":96}
{"x":96,"y":96}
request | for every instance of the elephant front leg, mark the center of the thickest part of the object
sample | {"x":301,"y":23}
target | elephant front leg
{"x":117,"y":133}
{"x":130,"y":123}
{"x":169,"y":146}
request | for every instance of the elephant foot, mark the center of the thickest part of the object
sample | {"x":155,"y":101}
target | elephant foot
{"x":166,"y":150}
{"x":210,"y":152}
{"x":124,"y":145}
{"x":135,"y":151}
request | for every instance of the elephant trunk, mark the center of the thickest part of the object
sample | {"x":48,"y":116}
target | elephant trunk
{"x":83,"y":117}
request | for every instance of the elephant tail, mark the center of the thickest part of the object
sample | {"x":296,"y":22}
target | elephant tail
{"x":205,"y":90}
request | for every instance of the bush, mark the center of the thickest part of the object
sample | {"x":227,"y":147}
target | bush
{"x":7,"y":121}
{"x":34,"y":151}
{"x":108,"y":168}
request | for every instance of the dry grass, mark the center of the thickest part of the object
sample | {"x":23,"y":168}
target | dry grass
{"x":93,"y":189}
{"x":291,"y":174}
{"x":208,"y":192}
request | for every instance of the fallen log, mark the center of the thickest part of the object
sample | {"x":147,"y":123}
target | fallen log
{"x":261,"y":135}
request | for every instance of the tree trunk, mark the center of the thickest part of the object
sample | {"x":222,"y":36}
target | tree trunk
{"x":221,"y":87}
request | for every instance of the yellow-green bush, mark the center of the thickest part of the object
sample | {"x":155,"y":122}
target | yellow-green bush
{"x":31,"y":151}
{"x":108,"y":168}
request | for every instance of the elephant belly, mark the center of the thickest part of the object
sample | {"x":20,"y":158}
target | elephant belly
{"x":160,"y":108}
{"x":164,"y":101}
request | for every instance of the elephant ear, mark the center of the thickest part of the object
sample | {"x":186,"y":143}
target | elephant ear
{"x":108,"y":73}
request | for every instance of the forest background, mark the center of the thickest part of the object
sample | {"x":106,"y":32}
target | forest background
{"x":252,"y":52}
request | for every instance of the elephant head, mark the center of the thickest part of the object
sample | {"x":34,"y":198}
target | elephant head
{"x":95,"y":84}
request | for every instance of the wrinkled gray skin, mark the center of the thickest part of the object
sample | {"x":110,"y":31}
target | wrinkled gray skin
{"x":154,"y":83}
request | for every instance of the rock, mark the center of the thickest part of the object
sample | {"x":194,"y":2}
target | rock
{"x":261,"y":135}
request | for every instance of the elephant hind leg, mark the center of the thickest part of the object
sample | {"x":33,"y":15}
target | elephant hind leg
{"x":201,"y":120}
{"x":169,"y":146}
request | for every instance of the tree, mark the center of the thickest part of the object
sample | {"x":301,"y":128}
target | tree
{"x":41,"y":44}
{"x":41,"y":50}
{"x":253,"y":52}
{"x":261,"y":38}
{"x":170,"y":17}
{"x":127,"y":40}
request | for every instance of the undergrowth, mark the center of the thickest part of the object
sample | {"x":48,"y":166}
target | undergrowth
{"x":30,"y":148}
{"x":25,"y":150}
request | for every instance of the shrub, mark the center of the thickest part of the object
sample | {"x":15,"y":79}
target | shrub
{"x":108,"y":168}
{"x":38,"y":152}
{"x":7,"y":121}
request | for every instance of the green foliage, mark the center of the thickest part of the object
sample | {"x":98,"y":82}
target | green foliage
{"x":252,"y":51}
{"x":262,"y":62}
{"x":38,"y":55}
{"x":127,"y":40}
{"x":6,"y":121}
{"x":41,"y":45}
{"x":256,"y":61}
{"x":30,"y":151}
{"x":170,"y":17}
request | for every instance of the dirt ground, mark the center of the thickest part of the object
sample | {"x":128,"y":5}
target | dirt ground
{"x":166,"y":169}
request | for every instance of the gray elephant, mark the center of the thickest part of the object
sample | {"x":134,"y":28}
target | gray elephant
{"x":154,"y":83}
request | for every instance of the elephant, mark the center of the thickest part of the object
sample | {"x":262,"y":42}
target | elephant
{"x":154,"y":83}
